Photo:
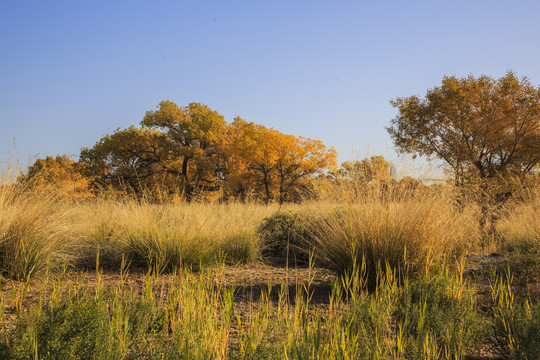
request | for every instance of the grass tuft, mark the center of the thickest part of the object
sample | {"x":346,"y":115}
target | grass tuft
{"x":36,"y":232}
{"x":408,"y":236}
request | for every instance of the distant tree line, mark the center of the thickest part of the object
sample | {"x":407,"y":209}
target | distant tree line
{"x":486,"y":131}
{"x":192,"y":152}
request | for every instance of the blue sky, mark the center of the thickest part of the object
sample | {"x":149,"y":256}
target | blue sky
{"x":73,"y":71}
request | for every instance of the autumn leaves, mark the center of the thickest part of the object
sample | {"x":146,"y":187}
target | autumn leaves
{"x":193,"y":152}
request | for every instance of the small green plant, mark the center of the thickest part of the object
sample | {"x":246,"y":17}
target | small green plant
{"x":516,"y":326}
{"x":439,"y":309}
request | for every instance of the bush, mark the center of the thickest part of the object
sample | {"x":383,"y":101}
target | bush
{"x":285,"y":236}
{"x":443,"y":310}
{"x":73,"y":328}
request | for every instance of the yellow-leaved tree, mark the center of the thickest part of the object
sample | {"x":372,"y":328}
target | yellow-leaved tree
{"x":130,"y":160}
{"x":196,"y":137}
{"x":192,"y":150}
{"x":486,"y":130}
{"x":60,"y":174}
{"x":277,"y":165}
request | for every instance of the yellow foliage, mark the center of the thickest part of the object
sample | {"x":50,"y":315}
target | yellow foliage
{"x":59,"y":174}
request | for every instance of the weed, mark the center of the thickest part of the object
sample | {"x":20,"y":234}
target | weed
{"x":516,"y":325}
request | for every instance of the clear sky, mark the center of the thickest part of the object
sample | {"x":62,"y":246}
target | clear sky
{"x":73,"y":71}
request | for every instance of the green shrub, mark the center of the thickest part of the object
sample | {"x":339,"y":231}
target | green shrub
{"x":75,"y":328}
{"x":441,"y":309}
{"x":285,"y":236}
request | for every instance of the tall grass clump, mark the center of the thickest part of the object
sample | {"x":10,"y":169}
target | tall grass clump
{"x":169,"y":236}
{"x":520,"y":230}
{"x":36,"y":231}
{"x":408,"y":232}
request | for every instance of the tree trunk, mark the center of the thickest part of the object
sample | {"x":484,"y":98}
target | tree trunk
{"x":266,"y":180}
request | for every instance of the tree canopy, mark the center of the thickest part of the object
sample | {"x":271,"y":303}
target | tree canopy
{"x":486,"y":130}
{"x":60,"y":174}
{"x":128,"y":158}
{"x":479,"y":126}
{"x":374,"y":168}
{"x":277,"y":164}
{"x":192,"y":150}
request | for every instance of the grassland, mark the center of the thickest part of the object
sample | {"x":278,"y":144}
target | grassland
{"x":357,"y":274}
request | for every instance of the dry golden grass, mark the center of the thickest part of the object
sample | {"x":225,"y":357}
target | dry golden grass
{"x":170,"y":235}
{"x":380,"y":222}
{"x":406,"y":224}
{"x":521,"y":228}
{"x":40,"y":228}
{"x":37,"y":231}
{"x":407,"y":228}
